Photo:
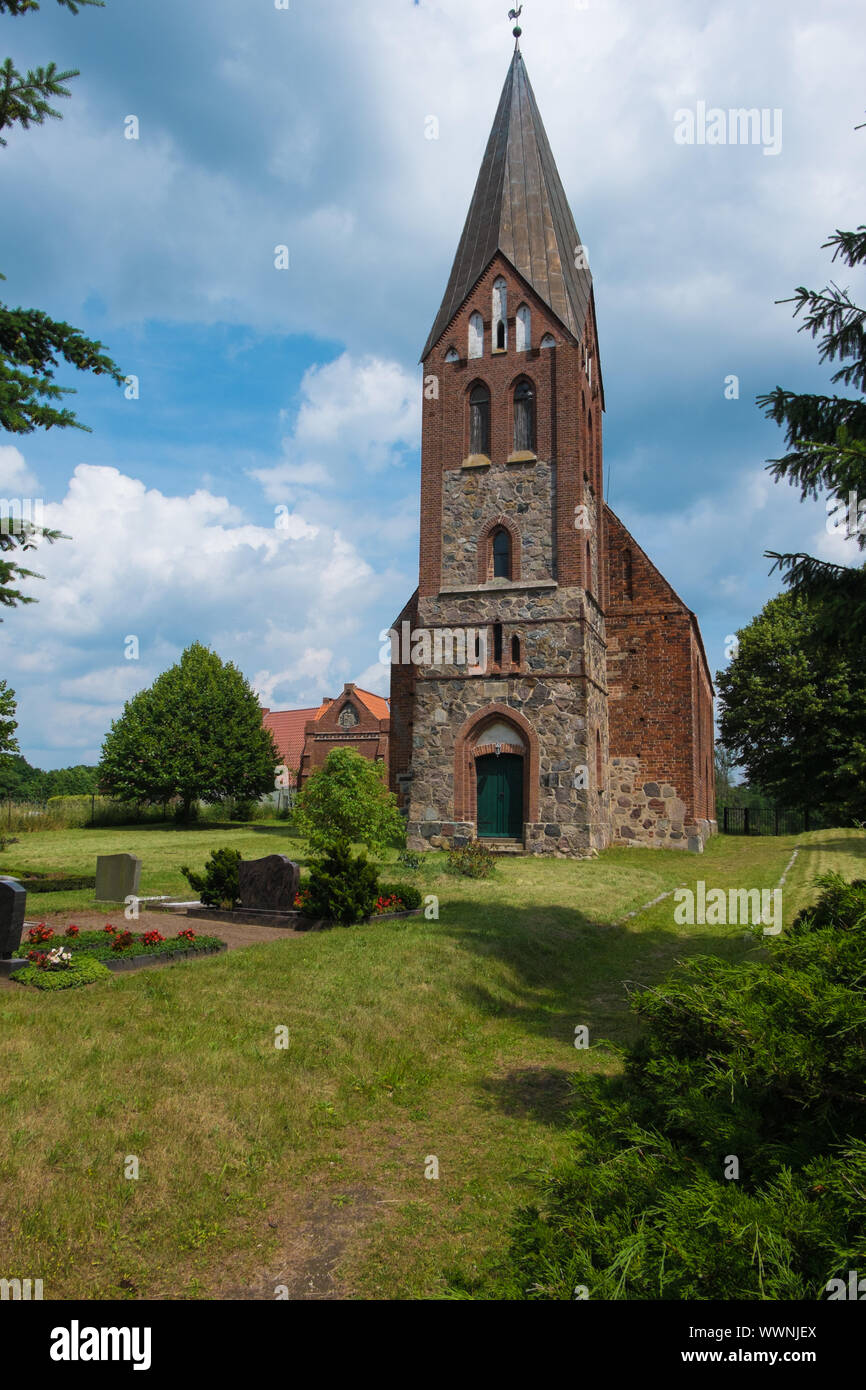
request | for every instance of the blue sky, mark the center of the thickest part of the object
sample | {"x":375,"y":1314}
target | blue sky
{"x":300,"y":389}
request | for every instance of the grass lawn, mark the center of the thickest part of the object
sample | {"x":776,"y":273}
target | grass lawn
{"x":305,"y":1167}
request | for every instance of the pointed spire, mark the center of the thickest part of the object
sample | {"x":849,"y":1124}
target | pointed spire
{"x":519,"y":208}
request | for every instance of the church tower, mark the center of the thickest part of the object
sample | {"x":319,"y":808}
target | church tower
{"x":499,"y":708}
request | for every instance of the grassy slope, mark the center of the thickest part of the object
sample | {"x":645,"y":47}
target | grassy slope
{"x":450,"y":1038}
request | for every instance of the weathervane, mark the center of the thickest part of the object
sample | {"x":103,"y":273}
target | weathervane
{"x":515,"y":15}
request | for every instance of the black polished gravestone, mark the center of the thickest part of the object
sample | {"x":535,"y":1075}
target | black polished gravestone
{"x":268,"y":885}
{"x":13,"y":900}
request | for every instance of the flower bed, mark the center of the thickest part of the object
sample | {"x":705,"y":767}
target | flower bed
{"x":84,"y":971}
{"x":114,"y":943}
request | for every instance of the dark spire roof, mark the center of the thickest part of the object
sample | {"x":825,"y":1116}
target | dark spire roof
{"x":519,"y":208}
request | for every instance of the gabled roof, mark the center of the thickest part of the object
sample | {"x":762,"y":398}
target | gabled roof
{"x":376,"y":704}
{"x":287,"y":727}
{"x":519,"y":208}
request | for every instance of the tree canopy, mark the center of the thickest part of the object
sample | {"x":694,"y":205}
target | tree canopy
{"x":195,"y":735}
{"x":793,"y":710}
{"x":347,"y":799}
{"x":8,"y":722}
{"x":32,"y":345}
{"x":826,"y":438}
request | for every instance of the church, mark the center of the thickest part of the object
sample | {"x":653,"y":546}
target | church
{"x":554,"y":696}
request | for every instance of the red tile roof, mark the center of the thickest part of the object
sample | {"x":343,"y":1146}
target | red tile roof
{"x":287,"y":727}
{"x":376,"y":704}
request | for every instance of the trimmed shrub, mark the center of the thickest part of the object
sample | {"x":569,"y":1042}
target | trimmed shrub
{"x":85,"y":971}
{"x":218,"y":886}
{"x":472,"y":861}
{"x":342,"y":888}
{"x":763,"y":1062}
{"x":406,"y":893}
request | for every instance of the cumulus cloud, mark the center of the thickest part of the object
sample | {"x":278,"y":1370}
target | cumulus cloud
{"x":167,"y":570}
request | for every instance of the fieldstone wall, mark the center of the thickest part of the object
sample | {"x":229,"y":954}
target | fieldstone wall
{"x":471,"y":496}
{"x":561,"y":642}
{"x":651,"y":813}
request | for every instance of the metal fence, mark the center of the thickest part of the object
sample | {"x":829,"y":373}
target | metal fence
{"x":755,"y":820}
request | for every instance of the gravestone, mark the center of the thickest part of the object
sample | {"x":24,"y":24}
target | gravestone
{"x":117,"y":877}
{"x":13,"y":899}
{"x":269,"y":885}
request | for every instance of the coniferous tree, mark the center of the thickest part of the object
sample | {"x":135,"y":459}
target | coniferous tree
{"x":33,"y":345}
{"x":826,"y":440}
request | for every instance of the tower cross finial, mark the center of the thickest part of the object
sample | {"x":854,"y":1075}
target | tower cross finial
{"x":515,"y":15}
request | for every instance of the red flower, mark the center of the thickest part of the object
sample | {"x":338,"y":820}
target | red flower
{"x":110,"y":929}
{"x":73,"y":931}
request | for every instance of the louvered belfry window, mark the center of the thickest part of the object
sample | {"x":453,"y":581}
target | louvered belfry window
{"x":479,"y":421}
{"x":524,"y":418}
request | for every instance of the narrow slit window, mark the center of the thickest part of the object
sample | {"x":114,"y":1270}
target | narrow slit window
{"x":515,"y":651}
{"x":476,"y":336}
{"x":497,"y":644}
{"x":524,"y":418}
{"x":501,"y":554}
{"x":479,"y":421}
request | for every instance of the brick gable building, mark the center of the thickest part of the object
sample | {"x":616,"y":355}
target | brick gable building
{"x":549,"y":689}
{"x":356,"y":719}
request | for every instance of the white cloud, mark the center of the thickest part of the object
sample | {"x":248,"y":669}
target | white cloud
{"x":16,"y":479}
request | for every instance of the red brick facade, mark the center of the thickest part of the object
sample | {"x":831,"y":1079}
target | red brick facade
{"x":356,"y":719}
{"x":593,"y":666}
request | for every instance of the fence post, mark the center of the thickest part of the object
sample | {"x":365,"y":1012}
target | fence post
{"x":746,"y":827}
{"x":776,"y":822}
{"x":725,"y":821}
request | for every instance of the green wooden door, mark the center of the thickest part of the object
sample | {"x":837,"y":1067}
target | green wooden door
{"x":500,"y":797}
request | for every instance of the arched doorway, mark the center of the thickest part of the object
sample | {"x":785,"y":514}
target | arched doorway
{"x":500,"y":796}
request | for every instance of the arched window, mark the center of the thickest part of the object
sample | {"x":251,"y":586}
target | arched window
{"x":524,"y":328}
{"x":589,"y":467}
{"x":479,"y":420}
{"x":515,"y":651}
{"x":452,"y":355}
{"x":500,"y":314}
{"x":524,"y":417}
{"x":476,"y":336}
{"x":501,"y":554}
{"x":548,"y":341}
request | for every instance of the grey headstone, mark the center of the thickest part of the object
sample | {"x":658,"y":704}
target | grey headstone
{"x":117,"y":877}
{"x":13,"y":900}
{"x":269,"y":885}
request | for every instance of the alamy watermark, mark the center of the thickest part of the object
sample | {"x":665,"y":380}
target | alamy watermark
{"x":715,"y":907}
{"x":441,"y":647}
{"x":737,"y":126}
{"x":21,"y":515}
{"x":847,"y":517}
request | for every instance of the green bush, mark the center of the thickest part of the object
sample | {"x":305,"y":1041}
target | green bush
{"x":218,"y":886}
{"x":409,"y":859}
{"x":408,"y":894}
{"x":342,"y":888}
{"x":85,"y":971}
{"x":763,"y":1062}
{"x":472,"y":861}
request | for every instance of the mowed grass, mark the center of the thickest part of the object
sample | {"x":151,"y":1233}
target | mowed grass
{"x":305,"y":1167}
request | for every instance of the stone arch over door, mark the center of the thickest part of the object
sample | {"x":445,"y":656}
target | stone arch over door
{"x":469,"y":746}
